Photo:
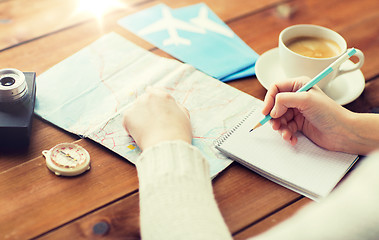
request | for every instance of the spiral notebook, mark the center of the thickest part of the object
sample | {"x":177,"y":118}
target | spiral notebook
{"x":304,"y":168}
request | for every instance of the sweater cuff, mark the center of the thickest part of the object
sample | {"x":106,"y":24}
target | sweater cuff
{"x":175,"y":158}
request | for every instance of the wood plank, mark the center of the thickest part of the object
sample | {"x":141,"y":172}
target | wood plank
{"x":272,"y":220}
{"x":42,"y":201}
{"x":371,"y":93}
{"x":36,"y":56}
{"x":244,"y":196}
{"x":365,"y":36}
{"x":47,"y":46}
{"x":262,"y":35}
{"x":246,"y":191}
{"x":256,"y":36}
{"x":58,"y":36}
{"x":24,"y":20}
{"x":228,"y":10}
{"x":39,"y":141}
{"x":121,"y":218}
{"x":369,"y":98}
{"x":22,"y":23}
{"x":253,"y":197}
{"x":261,"y":30}
{"x":67,"y":42}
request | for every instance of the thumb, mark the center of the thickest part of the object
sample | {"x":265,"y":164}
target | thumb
{"x":286,"y":100}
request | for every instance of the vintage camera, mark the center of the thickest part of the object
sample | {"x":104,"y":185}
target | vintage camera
{"x":17,"y":97}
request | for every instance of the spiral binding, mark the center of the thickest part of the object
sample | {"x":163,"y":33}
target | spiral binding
{"x":225,"y":136}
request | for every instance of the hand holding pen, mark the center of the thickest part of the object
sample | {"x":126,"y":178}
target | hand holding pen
{"x":332,"y":67}
{"x":311,"y":112}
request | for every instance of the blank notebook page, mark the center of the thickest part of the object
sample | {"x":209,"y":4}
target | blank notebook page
{"x":304,"y":168}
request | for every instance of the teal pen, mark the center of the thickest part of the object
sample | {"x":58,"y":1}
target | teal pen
{"x":315,"y":80}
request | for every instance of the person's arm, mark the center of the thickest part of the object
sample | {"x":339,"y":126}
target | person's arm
{"x":176,"y":197}
{"x":363,"y":134}
{"x":350,"y":212}
{"x":320,"y":118}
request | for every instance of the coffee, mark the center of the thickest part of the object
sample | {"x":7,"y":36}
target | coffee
{"x":314,"y":47}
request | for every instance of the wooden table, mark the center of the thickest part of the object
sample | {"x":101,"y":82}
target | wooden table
{"x":35,"y":35}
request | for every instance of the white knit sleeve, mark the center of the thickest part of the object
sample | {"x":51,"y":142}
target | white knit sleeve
{"x":176,"y":197}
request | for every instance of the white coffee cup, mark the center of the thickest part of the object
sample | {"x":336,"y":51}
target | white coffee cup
{"x":295,"y":64}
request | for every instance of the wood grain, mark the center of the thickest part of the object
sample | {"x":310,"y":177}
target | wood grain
{"x":23,"y":21}
{"x":35,"y":200}
{"x":245,"y":197}
{"x":29,"y":20}
{"x":368,"y":100}
{"x":40,"y":140}
{"x":272,"y":220}
{"x":38,"y":203}
{"x":261,"y":30}
{"x":121,"y":217}
{"x":236,"y":184}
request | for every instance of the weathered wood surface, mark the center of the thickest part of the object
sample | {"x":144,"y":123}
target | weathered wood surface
{"x":36,"y":35}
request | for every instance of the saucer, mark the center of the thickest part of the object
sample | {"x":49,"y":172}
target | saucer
{"x":344,"y":89}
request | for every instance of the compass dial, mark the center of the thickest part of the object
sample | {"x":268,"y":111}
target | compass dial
{"x":67,"y":159}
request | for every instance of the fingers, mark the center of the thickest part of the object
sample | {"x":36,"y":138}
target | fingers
{"x":288,"y":136}
{"x":281,"y":103}
{"x":290,"y":85}
{"x":156,"y":94}
{"x":279,"y":124}
{"x":287,"y":100}
{"x":155,"y":117}
{"x":288,"y":132}
{"x":287,"y":117}
{"x":287,"y":126}
{"x":160,"y":92}
{"x":269,"y":100}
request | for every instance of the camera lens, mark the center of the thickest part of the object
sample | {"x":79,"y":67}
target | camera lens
{"x":7,"y":81}
{"x":13,"y":87}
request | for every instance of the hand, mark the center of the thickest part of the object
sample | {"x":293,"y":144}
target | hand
{"x":316,"y":115}
{"x":156,"y":117}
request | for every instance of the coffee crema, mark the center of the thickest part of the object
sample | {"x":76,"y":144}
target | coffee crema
{"x":314,"y":47}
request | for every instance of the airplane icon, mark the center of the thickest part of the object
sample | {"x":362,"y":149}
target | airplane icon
{"x":204,"y":22}
{"x":201,"y":23}
{"x":171,"y":24}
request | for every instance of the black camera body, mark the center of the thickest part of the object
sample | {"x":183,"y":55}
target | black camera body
{"x":17,"y":99}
